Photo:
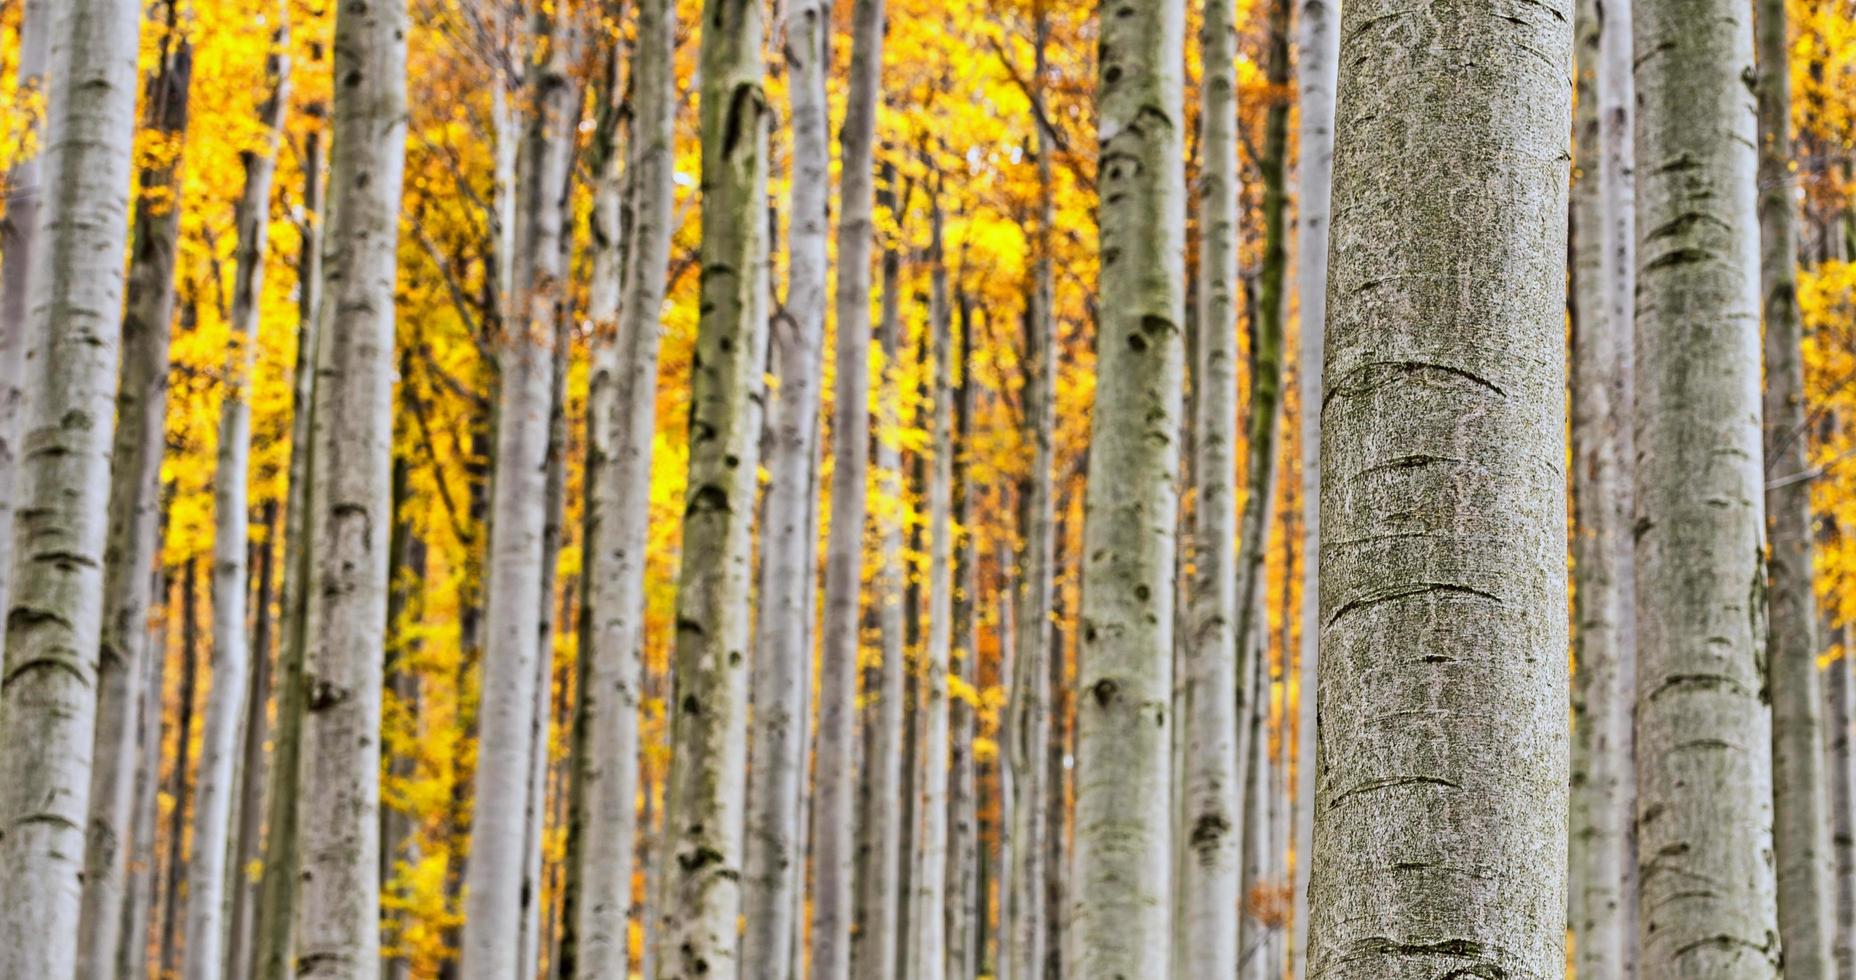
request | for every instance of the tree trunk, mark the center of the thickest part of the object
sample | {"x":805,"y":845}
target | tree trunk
{"x":1792,"y":682}
{"x":231,"y":663}
{"x":1317,"y":66}
{"x":132,"y":538}
{"x":345,"y":617}
{"x":621,"y":412}
{"x":273,"y":947}
{"x":131,"y":954}
{"x":19,"y":232}
{"x":834,"y":825}
{"x":249,"y":820}
{"x":875,"y":944}
{"x":406,"y":575}
{"x":964,"y":911}
{"x":1253,"y":929}
{"x":182,"y":785}
{"x":1703,"y":727}
{"x":1124,"y":678}
{"x":782,"y":671}
{"x":1440,"y":826}
{"x":703,"y":812}
{"x":491,"y":943}
{"x":1213,"y":816}
{"x":49,"y":705}
{"x":1842,"y":762}
{"x":1602,"y":882}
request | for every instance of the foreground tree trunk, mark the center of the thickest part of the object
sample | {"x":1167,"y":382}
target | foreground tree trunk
{"x":621,"y":409}
{"x":1703,"y":753}
{"x":1212,"y":817}
{"x":703,"y":812}
{"x":491,"y":944}
{"x":1124,"y":677}
{"x":782,"y":672}
{"x":132,"y":535}
{"x":350,"y":504}
{"x":19,"y":232}
{"x":274,"y":924}
{"x":219,"y":745}
{"x":54,"y":613}
{"x":1799,"y":804}
{"x":1440,"y":827}
{"x":1603,"y":899}
{"x":834,"y":823}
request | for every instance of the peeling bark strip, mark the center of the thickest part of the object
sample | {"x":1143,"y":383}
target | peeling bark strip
{"x":338,"y":928}
{"x":1440,"y":827}
{"x":704,"y":809}
{"x":48,"y":699}
{"x":1800,"y":816}
{"x":1602,"y":902}
{"x":1703,"y":730}
{"x":1124,"y":676}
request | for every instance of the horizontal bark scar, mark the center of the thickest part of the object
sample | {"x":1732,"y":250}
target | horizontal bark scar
{"x":1388,"y":782}
{"x":1706,"y":681}
{"x":1467,"y":949}
{"x":1407,"y":592}
{"x":1375,"y":374}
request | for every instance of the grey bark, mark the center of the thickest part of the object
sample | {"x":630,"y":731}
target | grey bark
{"x":54,"y":612}
{"x":274,"y":943}
{"x":965,"y":913}
{"x":131,"y":955}
{"x":782,"y":671}
{"x":834,"y":825}
{"x":491,"y":941}
{"x":1254,"y":930}
{"x":1703,"y":749}
{"x":621,"y":408}
{"x":1440,"y":827}
{"x":1212,"y":816}
{"x":345,"y":617}
{"x":181,"y":786}
{"x":1124,"y":675}
{"x":248,"y":820}
{"x":19,"y":231}
{"x":131,"y":541}
{"x":1602,"y":879}
{"x":1840,"y":719}
{"x":703,"y":809}
{"x":1800,"y":817}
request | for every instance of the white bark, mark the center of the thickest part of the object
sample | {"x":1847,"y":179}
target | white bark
{"x":18,"y":235}
{"x":491,"y":943}
{"x":138,"y":905}
{"x":1124,"y":674}
{"x":1703,"y":749}
{"x":621,"y":409}
{"x":338,"y":929}
{"x":1253,"y":932}
{"x":1440,"y":826}
{"x":782,"y":671}
{"x":54,"y":613}
{"x":834,"y":824}
{"x":1840,"y":718}
{"x":1212,"y":818}
{"x":703,"y":812}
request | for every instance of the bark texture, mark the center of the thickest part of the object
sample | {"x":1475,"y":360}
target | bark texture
{"x":1703,"y":749}
{"x":1800,"y":817}
{"x":338,"y":932}
{"x":1841,"y":719}
{"x":1602,"y":879}
{"x":622,"y":413}
{"x":704,"y":809}
{"x":1124,"y":675}
{"x":1440,"y":827}
{"x":19,"y":231}
{"x":54,"y":613}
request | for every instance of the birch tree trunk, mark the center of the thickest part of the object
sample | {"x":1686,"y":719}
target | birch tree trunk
{"x":1212,"y":820}
{"x":1124,"y":677}
{"x":1603,"y":899}
{"x":1317,"y":67}
{"x":132,"y":533}
{"x":1703,"y":753}
{"x":1253,"y":930}
{"x":1799,"y":804}
{"x":1841,"y":717}
{"x":782,"y":671}
{"x":965,"y":914}
{"x":180,"y":783}
{"x":274,"y":925}
{"x":212,"y":815}
{"x":345,"y":616}
{"x":19,"y":231}
{"x":834,"y":825}
{"x":1440,"y":827}
{"x":48,"y":707}
{"x":491,"y":941}
{"x":131,"y":953}
{"x":876,"y":942}
{"x":703,"y":812}
{"x":248,"y":821}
